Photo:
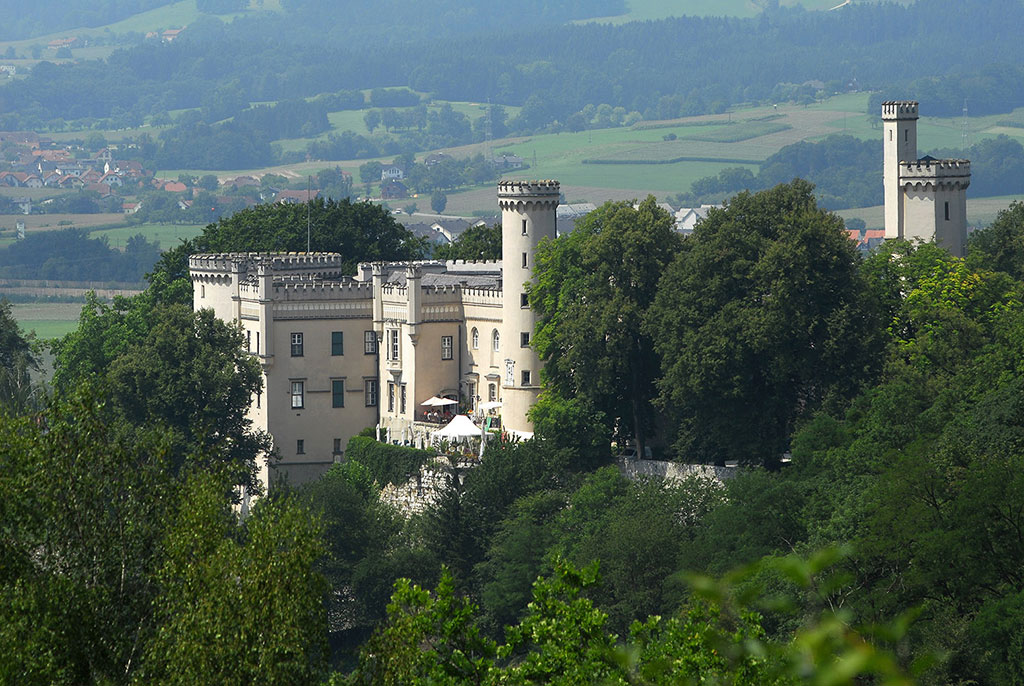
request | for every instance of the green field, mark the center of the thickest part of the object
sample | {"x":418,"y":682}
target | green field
{"x":48,"y":320}
{"x":166,"y":235}
{"x":36,"y":194}
{"x":172,"y":16}
{"x":644,"y":10}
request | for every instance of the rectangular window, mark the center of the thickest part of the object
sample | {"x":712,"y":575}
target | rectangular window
{"x":300,"y":447}
{"x":296,"y":345}
{"x":259,"y":394}
{"x":393,"y":348}
{"x":524,"y":260}
{"x":524,"y":339}
{"x":391,"y":396}
{"x":524,"y":300}
{"x":337,"y":446}
{"x":446,"y":347}
{"x":947,"y":211}
{"x":906,"y":133}
{"x":369,"y":343}
{"x":370,"y":392}
{"x":257,"y":342}
{"x":337,"y":343}
{"x":471,"y":392}
{"x":492,"y":392}
{"x":404,"y":397}
{"x":248,"y":341}
{"x":298,"y":395}
{"x":202,"y":291}
{"x":524,"y":227}
{"x":526,"y":377}
{"x":337,"y":393}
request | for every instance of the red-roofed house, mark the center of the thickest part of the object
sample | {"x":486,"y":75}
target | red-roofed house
{"x":130,"y":207}
{"x":175,"y":187}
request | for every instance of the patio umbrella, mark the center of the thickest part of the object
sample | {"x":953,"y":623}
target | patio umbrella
{"x":460,"y":427}
{"x":434,"y":401}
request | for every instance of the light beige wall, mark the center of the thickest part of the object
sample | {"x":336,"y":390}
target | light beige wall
{"x":951,"y":233}
{"x":317,"y":423}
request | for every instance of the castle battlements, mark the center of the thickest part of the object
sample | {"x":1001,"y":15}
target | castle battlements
{"x":323,"y":290}
{"x":932,"y":173}
{"x":319,"y":262}
{"x":899,"y":109}
{"x":522,"y":195}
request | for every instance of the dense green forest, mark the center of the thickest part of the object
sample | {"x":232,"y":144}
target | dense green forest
{"x":886,"y":547}
{"x":553,"y":72}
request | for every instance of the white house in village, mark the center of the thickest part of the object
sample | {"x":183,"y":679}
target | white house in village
{"x":342,"y":353}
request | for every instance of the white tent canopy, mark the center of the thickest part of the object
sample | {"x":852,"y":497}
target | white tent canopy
{"x":490,"y":405}
{"x":434,"y":401}
{"x":460,"y":427}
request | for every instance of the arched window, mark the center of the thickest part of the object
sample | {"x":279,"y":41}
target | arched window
{"x":495,"y":341}
{"x":476,"y":339}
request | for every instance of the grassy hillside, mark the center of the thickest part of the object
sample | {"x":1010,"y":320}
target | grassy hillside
{"x":644,"y":10}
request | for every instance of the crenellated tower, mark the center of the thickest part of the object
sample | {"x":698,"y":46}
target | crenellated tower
{"x":527,"y":217}
{"x":899,"y":126}
{"x":926,"y":198}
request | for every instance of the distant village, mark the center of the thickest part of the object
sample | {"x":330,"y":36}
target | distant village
{"x":122,"y":185}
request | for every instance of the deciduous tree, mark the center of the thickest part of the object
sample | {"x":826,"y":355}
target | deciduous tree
{"x":759,"y":320}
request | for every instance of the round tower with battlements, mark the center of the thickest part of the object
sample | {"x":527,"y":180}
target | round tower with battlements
{"x":899,"y":124}
{"x":527,"y":217}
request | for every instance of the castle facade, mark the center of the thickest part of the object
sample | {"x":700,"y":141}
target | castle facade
{"x":341,"y":353}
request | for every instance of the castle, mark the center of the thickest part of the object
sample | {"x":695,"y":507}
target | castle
{"x":925,"y":198}
{"x":341,"y":353}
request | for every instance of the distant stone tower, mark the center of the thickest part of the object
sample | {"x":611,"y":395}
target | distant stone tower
{"x":925,"y":198}
{"x":527,"y":217}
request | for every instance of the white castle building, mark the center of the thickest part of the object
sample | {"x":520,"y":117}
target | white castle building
{"x":925,"y":198}
{"x":342,"y":353}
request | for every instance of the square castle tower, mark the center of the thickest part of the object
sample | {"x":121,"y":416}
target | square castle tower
{"x":925,"y":198}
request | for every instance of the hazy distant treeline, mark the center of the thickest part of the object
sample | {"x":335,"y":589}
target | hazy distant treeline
{"x":656,"y":70}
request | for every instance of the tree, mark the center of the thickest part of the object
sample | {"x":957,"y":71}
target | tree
{"x":369,"y":172}
{"x":438,"y":201}
{"x":239,"y":604}
{"x":371,"y":119}
{"x":759,"y":320}
{"x":1000,"y":246}
{"x":164,"y":364}
{"x":592,"y":290}
{"x":84,"y":512}
{"x":208,"y":182}
{"x":475,"y":243}
{"x":18,"y":360}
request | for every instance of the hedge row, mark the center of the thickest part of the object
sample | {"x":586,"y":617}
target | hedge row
{"x":388,"y":464}
{"x":673,"y":160}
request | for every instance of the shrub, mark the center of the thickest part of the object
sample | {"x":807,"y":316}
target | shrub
{"x":389,"y":464}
